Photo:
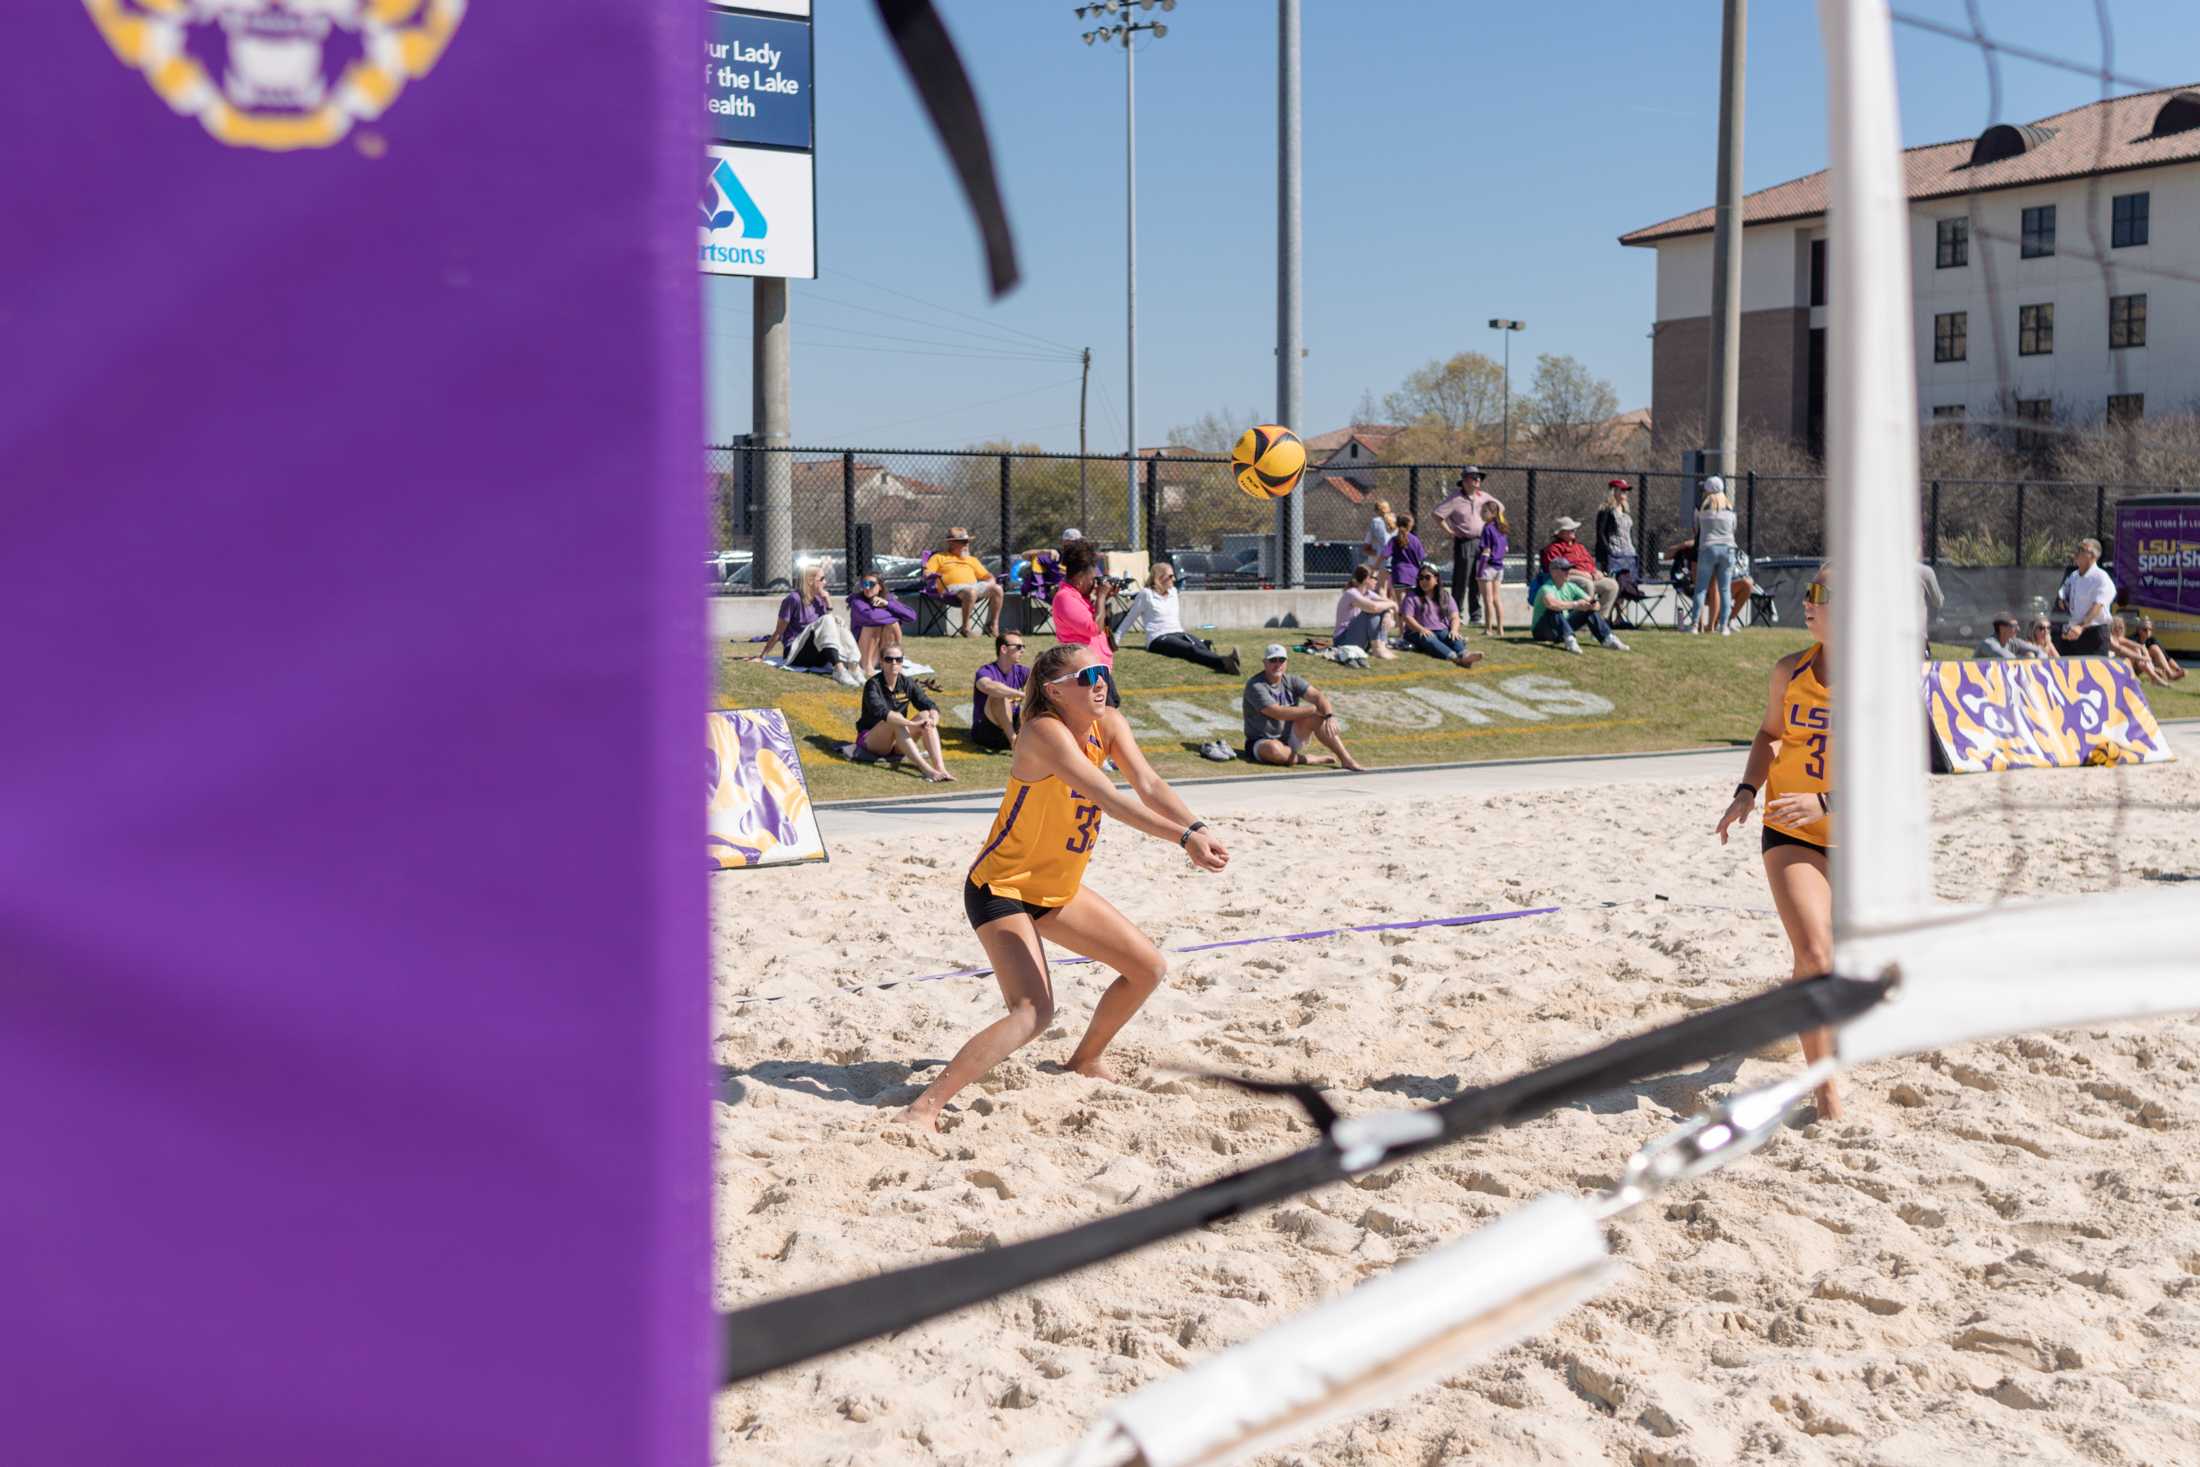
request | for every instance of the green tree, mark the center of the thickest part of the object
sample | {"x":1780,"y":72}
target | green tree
{"x":1565,"y":409}
{"x":1213,"y":432}
{"x":1449,"y":411}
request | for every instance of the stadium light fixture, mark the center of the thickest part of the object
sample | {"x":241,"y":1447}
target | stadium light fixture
{"x":1508,"y":327}
{"x":1159,"y":30}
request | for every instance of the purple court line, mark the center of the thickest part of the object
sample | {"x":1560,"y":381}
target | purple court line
{"x":1202,"y":947}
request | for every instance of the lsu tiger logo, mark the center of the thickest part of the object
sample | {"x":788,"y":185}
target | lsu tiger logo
{"x":279,"y":74}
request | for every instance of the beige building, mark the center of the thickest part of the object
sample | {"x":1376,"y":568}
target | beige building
{"x":2055,"y":272}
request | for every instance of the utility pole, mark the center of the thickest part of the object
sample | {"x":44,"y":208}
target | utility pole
{"x":1126,"y":32}
{"x":774,"y":558}
{"x":1722,"y":402}
{"x":1290,"y":305}
{"x":1084,"y":496}
{"x":1504,"y":454}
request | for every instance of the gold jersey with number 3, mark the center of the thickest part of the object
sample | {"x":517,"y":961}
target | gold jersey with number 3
{"x":1042,"y":836}
{"x":1806,"y":733}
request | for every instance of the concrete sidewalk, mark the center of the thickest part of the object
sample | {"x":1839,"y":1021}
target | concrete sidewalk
{"x":1229,"y":796}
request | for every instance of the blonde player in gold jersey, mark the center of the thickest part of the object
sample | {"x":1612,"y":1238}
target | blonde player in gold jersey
{"x":1027,"y":886}
{"x":1790,"y":760}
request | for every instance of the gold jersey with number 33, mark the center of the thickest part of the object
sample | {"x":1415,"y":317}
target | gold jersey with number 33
{"x":1042,"y":836}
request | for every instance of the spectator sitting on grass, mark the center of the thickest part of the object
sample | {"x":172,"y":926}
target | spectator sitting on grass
{"x":806,"y":629}
{"x":877,"y":616}
{"x":1565,"y":603}
{"x":1431,"y":621}
{"x":2004,"y":645}
{"x":1159,"y":609}
{"x":897,"y":718}
{"x":2169,"y":667}
{"x":964,"y":579}
{"x":1282,"y":709}
{"x":997,"y":695}
{"x":2121,"y":645}
{"x":2039,"y":639}
{"x":1362,"y":614}
{"x":1564,"y":547}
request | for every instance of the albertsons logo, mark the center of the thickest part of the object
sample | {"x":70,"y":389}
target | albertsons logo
{"x":727,"y":205}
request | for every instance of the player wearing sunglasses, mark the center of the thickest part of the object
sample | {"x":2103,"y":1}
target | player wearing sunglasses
{"x":1027,"y":886}
{"x":1791,"y":760}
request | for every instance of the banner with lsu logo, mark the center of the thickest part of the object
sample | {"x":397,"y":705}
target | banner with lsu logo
{"x":760,"y":810}
{"x":2047,"y":713}
{"x":353,"y":973}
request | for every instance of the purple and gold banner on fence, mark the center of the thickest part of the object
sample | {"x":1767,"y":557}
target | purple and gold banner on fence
{"x":2055,"y":713}
{"x":760,"y":811}
{"x":2158,"y":564}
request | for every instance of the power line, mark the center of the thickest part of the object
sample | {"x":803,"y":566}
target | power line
{"x":891,"y":351}
{"x":950,"y":310}
{"x":993,"y":339}
{"x":966,"y":407}
{"x":740,"y":315}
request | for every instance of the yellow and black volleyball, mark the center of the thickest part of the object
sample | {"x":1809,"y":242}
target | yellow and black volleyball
{"x":1268,"y":461}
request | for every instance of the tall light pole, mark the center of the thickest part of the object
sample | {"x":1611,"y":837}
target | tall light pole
{"x":1722,"y":398}
{"x":1290,"y":319}
{"x":1508,"y":327}
{"x":1126,"y":31}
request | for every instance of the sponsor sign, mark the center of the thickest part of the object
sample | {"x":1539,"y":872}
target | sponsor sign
{"x":756,"y":80}
{"x":758,"y":213}
{"x":2158,"y":564}
{"x":760,"y":810}
{"x":2054,"y":713}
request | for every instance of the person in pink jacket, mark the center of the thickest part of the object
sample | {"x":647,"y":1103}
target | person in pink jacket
{"x":1077,"y":611}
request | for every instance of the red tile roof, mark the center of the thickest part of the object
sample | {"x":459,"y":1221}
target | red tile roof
{"x":1373,"y":436}
{"x":1352,"y":492}
{"x":2100,"y":137}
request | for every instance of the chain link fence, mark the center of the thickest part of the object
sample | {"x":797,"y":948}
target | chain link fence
{"x":888,"y":509}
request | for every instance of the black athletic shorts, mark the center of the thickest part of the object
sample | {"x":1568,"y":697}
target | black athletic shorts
{"x":1774,"y":839}
{"x":982,"y":905}
{"x":987,"y":734}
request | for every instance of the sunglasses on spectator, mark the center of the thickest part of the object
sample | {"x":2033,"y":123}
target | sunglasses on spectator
{"x":1817,"y":593}
{"x":891,"y":657}
{"x":1012,"y":646}
{"x":1089,"y":676}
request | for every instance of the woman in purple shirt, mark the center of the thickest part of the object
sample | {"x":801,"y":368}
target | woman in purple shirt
{"x":796,"y":612}
{"x":1431,"y":621}
{"x":1406,"y":557}
{"x":877,"y":616}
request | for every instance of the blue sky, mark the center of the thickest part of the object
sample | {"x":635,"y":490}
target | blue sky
{"x":1463,"y":160}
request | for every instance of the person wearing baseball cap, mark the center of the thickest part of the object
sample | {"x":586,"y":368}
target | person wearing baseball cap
{"x":961,"y":577}
{"x":1564,"y":545}
{"x":1282,"y":709}
{"x":1468,"y":508}
{"x":1616,"y":555}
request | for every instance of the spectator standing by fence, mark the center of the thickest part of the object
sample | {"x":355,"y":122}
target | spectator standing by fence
{"x":1715,"y":549}
{"x":1077,"y":618}
{"x":1159,"y":609}
{"x":1375,"y":549}
{"x":2087,"y":594}
{"x":1615,"y":533}
{"x":1406,"y":557}
{"x":1463,"y":514}
{"x":1489,"y":571}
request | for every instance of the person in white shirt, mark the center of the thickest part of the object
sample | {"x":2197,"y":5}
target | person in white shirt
{"x":2087,"y":594}
{"x":1157,"y":608}
{"x":1362,"y":615}
{"x":1375,"y":548}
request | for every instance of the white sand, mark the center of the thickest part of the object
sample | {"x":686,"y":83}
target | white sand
{"x":1994,"y":1257}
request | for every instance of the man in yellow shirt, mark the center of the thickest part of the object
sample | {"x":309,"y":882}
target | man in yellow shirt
{"x":964,"y":578}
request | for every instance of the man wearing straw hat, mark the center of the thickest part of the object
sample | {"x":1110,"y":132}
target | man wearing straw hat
{"x":963,"y":578}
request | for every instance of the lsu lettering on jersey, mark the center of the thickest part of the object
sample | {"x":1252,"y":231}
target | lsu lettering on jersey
{"x":1042,"y":836}
{"x":1806,"y":733}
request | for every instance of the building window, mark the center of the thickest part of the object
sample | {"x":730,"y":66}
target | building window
{"x":2033,"y":410}
{"x":2127,"y":220}
{"x":2127,"y":320}
{"x":1817,"y":272}
{"x":2039,"y":232}
{"x":1950,"y":331}
{"x":1946,"y":410}
{"x":2035,"y":330}
{"x":1954,"y":246}
{"x":2127,"y":407}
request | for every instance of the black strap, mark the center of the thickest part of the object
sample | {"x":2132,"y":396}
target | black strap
{"x":944,"y":88}
{"x":782,"y":1332}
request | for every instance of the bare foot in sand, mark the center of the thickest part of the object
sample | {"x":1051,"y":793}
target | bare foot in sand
{"x":919,"y":1120}
{"x":1093,"y":1070}
{"x":1828,"y":1101}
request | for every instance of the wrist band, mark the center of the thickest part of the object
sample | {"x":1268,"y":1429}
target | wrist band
{"x":1746,"y":788}
{"x":1185,"y":840}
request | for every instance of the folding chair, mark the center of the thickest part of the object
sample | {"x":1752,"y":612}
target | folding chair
{"x":933,"y":608}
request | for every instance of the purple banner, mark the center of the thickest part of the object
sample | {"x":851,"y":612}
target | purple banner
{"x":2158,"y":563}
{"x":760,"y":810}
{"x":353,"y":987}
